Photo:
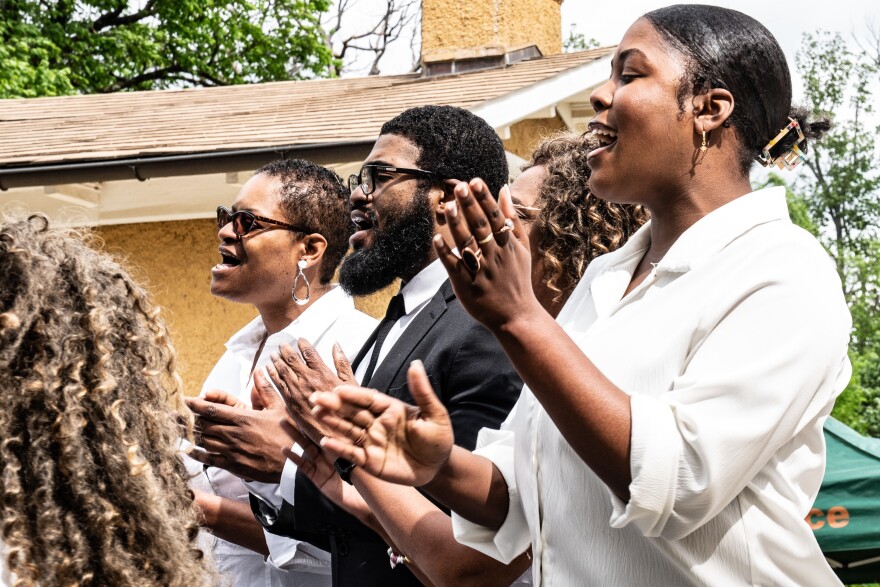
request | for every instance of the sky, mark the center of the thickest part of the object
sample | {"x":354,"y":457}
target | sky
{"x":787,"y":20}
{"x":606,"y":22}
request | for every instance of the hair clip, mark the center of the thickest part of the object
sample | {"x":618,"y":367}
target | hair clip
{"x":791,"y":157}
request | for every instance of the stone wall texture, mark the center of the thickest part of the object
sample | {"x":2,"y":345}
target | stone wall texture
{"x":463,"y":24}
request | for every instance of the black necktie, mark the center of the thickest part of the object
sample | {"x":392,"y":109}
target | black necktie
{"x":392,"y":314}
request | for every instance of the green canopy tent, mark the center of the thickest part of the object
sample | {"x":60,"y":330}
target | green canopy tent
{"x":846,"y":515}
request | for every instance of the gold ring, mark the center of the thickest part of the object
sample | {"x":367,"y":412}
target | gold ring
{"x":508,"y":226}
{"x":471,"y":259}
{"x":483,"y":241}
{"x":468,"y":242}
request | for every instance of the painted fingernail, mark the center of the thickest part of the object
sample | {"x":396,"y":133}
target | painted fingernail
{"x":452,"y":210}
{"x":323,"y":441}
{"x":314,"y":397}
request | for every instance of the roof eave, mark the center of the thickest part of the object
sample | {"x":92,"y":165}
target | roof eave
{"x":520,"y":104}
{"x":143,"y":168}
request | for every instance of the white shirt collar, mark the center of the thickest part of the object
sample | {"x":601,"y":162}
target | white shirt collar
{"x":722,"y":226}
{"x":708,"y":235}
{"x":310,"y":325}
{"x":423,"y":286}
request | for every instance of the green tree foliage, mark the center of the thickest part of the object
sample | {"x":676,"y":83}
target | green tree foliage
{"x":577,"y":41}
{"x":840,"y":203}
{"x":54,"y":47}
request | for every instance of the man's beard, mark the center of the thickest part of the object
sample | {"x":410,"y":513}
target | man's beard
{"x":398,"y":249}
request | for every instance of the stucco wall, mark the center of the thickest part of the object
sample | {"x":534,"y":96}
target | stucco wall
{"x":526,"y":134}
{"x":174,"y":259}
{"x":461,"y":24}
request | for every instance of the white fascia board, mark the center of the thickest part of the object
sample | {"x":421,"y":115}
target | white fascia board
{"x":520,"y":104}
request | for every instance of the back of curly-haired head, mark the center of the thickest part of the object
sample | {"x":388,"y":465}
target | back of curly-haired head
{"x":92,"y":487}
{"x":453,"y":143}
{"x":314,"y":197}
{"x":575,"y":226}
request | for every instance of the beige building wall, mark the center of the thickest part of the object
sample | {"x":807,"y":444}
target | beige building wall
{"x":526,"y":134}
{"x":449,"y":25}
{"x":174,"y":260}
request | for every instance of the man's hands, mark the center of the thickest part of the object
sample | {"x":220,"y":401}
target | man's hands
{"x":298,"y":377}
{"x":246,"y":442}
{"x":253,"y":443}
{"x":390,"y":439}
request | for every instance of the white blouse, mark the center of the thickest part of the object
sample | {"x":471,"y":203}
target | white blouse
{"x":332,"y":318}
{"x":733,"y":350}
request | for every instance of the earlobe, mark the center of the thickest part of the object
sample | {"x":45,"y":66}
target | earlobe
{"x":439,"y":200}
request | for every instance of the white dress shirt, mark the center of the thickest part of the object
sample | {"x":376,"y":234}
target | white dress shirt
{"x":332,"y":318}
{"x":733,"y":350}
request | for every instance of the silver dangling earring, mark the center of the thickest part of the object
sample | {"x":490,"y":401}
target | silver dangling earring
{"x":300,"y":302}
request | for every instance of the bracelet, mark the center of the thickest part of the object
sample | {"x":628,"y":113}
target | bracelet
{"x":396,"y":558}
{"x":344,"y":468}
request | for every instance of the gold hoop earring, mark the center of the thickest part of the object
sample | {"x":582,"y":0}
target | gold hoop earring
{"x":705,"y":144}
{"x":298,"y":301}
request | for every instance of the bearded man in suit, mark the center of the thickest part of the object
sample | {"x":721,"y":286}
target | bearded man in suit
{"x":397,"y":203}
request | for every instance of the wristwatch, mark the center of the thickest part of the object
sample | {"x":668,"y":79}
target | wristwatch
{"x":344,"y":467}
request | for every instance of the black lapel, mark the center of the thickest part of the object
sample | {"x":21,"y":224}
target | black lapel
{"x":367,"y":345}
{"x":396,"y":358}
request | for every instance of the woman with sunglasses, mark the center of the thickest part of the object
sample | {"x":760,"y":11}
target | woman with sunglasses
{"x":670,"y":429}
{"x":280,"y":246}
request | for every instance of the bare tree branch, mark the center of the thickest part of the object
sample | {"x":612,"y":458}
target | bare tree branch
{"x":113,"y":18}
{"x":398,"y":17}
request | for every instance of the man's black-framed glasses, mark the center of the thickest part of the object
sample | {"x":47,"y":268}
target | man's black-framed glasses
{"x":243,"y":221}
{"x":366,"y":179}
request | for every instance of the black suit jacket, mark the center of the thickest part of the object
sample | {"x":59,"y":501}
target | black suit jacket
{"x":475,"y":381}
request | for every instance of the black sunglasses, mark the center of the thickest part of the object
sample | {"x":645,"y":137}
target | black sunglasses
{"x":243,"y":221}
{"x":366,"y":179}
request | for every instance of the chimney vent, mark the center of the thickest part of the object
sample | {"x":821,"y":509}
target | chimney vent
{"x":441,"y":62}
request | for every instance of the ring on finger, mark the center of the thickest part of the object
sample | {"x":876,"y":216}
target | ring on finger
{"x":471,"y":259}
{"x":508,"y":226}
{"x":468,"y":242}
{"x":485,"y":240}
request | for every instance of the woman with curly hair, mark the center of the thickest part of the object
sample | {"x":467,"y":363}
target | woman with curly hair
{"x":92,"y":488}
{"x":569,"y":228}
{"x":572,"y":226}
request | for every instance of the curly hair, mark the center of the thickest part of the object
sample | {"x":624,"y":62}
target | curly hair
{"x":315,"y":197}
{"x":93,"y":490}
{"x":575,"y":226}
{"x":454,"y":143}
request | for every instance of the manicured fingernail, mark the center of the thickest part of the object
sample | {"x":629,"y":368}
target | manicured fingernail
{"x":452,"y":209}
{"x":323,"y":441}
{"x":274,"y":356}
{"x":314,"y":397}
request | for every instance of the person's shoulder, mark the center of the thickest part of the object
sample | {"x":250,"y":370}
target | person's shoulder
{"x":790,"y":252}
{"x":352,"y":329}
